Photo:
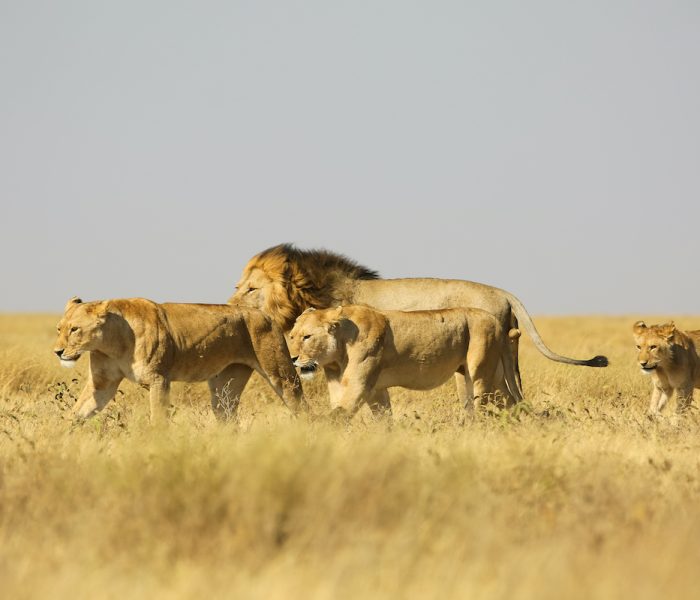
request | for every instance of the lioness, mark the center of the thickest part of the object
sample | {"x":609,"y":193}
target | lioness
{"x":155,"y":344}
{"x":364,"y":351}
{"x":670,"y":356}
{"x":283,"y":281}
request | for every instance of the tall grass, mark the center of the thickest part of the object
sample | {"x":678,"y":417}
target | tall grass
{"x":577,"y":495}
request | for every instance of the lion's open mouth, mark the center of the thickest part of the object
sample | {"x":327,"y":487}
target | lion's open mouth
{"x":69,"y":361}
{"x":648,"y":369}
{"x":307,"y":370}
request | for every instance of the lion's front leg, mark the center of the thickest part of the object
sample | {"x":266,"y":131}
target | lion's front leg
{"x":654,"y":401}
{"x":335,"y":390}
{"x":684,"y":397}
{"x":290,"y":392}
{"x":660,"y":396}
{"x":354,"y":388}
{"x":94,"y":397}
{"x":277,"y":368}
{"x":101,"y":387}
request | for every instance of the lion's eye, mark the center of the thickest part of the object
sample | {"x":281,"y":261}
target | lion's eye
{"x":639,"y":347}
{"x":652,"y":347}
{"x":306,"y":337}
{"x":251,"y":290}
{"x":74,"y":329}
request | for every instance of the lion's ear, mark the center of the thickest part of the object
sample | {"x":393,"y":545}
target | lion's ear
{"x":100,"y":311}
{"x":639,"y":327}
{"x":72,"y":302}
{"x":343,"y":328}
{"x":668,"y":330}
{"x":335,"y":317}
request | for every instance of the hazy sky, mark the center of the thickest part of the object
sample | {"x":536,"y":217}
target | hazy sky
{"x":549,"y":148}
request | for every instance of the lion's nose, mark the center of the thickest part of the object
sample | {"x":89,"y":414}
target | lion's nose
{"x":643,"y":363}
{"x":58,"y":353}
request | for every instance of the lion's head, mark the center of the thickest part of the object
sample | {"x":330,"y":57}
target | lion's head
{"x":283,"y":281}
{"x":314,"y":339}
{"x":654,"y":345}
{"x":79,"y":330}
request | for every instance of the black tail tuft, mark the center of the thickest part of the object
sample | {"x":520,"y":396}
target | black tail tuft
{"x":597,"y":361}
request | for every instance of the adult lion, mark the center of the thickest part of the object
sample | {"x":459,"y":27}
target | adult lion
{"x":365,"y":351}
{"x":155,"y":344}
{"x":283,"y":281}
{"x":670,"y":356}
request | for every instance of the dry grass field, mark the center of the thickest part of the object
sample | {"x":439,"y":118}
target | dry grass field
{"x":575,"y":495}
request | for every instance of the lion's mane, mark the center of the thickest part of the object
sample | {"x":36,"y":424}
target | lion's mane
{"x":310,"y":278}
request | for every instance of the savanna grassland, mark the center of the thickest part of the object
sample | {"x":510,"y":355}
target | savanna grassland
{"x":576,"y":494}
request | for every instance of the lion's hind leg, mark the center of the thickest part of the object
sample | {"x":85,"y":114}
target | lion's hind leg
{"x":509,"y":367}
{"x":379,"y":404}
{"x":159,"y":396}
{"x":482,"y":366}
{"x":226,"y":389}
{"x":465,"y":389}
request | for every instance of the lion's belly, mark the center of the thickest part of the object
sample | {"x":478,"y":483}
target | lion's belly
{"x":420,"y":375}
{"x":191,"y":369}
{"x":426,"y":349}
{"x":197,"y":366}
{"x":200,"y":369}
{"x":200,"y":364}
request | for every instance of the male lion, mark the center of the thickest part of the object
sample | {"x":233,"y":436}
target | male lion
{"x":670,"y":356}
{"x":283,"y":281}
{"x":364,"y":351}
{"x":155,"y":344}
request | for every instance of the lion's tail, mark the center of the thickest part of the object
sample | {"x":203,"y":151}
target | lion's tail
{"x":525,"y":320}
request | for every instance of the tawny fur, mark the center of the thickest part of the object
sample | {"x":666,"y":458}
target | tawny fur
{"x":155,"y":344}
{"x":283,"y":281}
{"x":364,"y":351}
{"x":670,"y":356}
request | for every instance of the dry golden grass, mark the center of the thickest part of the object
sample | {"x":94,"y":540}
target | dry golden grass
{"x":577,"y":496}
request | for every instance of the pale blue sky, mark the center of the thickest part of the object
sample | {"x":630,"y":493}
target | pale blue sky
{"x":549,"y":148}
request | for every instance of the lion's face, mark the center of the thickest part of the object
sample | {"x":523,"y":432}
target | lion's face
{"x":654,"y":345}
{"x":79,"y":330}
{"x":253,"y":289}
{"x":258,"y":290}
{"x":312,"y":341}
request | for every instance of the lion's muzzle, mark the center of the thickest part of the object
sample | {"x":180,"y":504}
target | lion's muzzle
{"x":67,"y":361}
{"x":307,"y":369}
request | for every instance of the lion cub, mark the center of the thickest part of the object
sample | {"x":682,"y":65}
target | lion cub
{"x":670,"y":356}
{"x":155,"y":344}
{"x":365,"y":351}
